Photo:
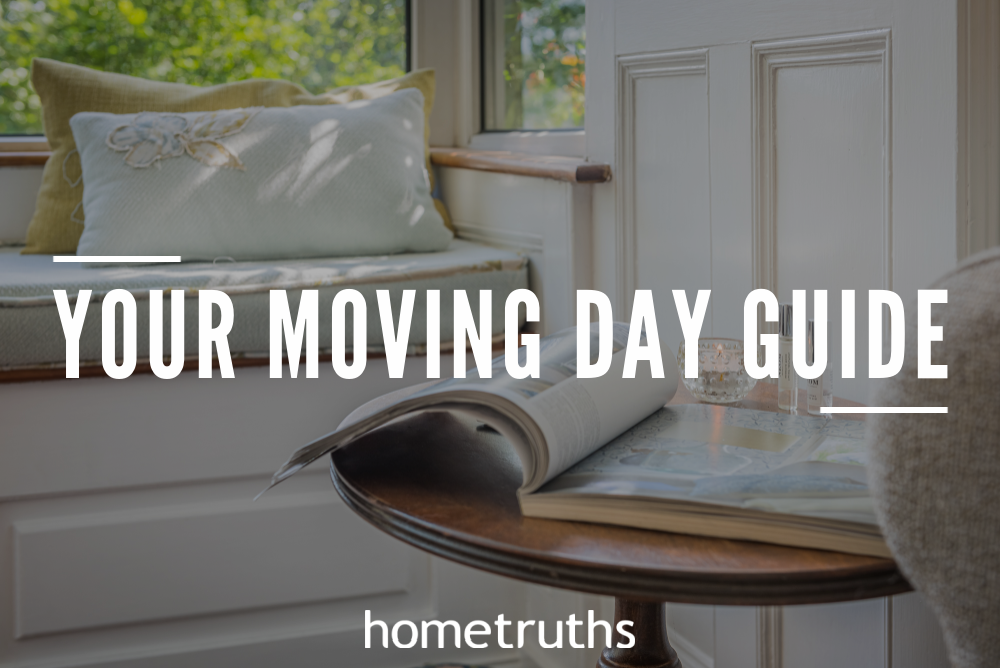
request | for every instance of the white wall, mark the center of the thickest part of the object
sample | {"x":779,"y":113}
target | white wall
{"x":775,"y":144}
{"x":760,"y":147}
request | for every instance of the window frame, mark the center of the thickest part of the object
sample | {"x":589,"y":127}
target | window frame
{"x":446,"y":36}
{"x":563,"y":141}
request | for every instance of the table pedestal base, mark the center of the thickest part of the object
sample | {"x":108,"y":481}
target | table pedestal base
{"x":651,"y":649}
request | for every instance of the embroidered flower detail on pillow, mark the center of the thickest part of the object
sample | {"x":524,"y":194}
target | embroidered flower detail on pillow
{"x":156,"y":136}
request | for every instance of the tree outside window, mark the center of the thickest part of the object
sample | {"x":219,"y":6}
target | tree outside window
{"x":319,"y":44}
{"x":534,"y":54}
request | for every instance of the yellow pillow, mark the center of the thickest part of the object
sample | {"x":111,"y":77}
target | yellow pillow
{"x":66,"y":90}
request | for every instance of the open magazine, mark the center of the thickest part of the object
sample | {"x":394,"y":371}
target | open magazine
{"x":607,"y":450}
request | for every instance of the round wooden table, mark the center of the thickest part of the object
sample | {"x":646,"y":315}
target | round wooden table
{"x":438,"y":483}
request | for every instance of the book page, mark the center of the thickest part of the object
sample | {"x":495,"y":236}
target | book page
{"x":730,"y":456}
{"x":552,"y":421}
{"x":576,"y":416}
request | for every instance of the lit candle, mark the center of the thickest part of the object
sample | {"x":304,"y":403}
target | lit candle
{"x":721,"y":376}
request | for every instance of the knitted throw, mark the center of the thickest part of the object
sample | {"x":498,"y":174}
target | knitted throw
{"x":936,"y":478}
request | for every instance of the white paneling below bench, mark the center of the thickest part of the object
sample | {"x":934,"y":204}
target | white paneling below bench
{"x":234,"y":555}
{"x":128,"y":536}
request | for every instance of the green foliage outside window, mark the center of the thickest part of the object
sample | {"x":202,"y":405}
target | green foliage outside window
{"x":544,"y":53}
{"x":319,"y":44}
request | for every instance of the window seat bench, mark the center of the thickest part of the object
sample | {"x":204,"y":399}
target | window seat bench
{"x":128,"y":530}
{"x":33,"y":335}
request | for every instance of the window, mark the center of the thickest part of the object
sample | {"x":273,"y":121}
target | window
{"x":533,"y":64}
{"x":319,"y":44}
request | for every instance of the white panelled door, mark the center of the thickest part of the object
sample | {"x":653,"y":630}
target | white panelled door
{"x":779,"y":144}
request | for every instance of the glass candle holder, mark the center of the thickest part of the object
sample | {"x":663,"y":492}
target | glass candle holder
{"x":722,"y":378}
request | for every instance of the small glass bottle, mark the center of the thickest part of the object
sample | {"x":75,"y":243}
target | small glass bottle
{"x":788,"y":385}
{"x":820,"y":389}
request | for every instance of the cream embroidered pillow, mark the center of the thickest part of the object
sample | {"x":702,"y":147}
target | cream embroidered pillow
{"x":259,"y":183}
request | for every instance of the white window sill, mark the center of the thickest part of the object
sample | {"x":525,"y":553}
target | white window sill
{"x":570,"y":143}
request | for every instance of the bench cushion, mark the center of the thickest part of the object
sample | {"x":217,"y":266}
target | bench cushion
{"x":33,"y":335}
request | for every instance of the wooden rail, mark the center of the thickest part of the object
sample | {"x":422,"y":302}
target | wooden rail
{"x":560,"y":168}
{"x":574,"y":170}
{"x":23,"y":158}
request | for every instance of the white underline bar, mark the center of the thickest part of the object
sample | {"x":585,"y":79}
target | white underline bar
{"x":116,"y":259}
{"x":883,"y":409}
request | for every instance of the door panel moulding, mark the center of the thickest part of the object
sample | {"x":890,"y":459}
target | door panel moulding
{"x":873,"y":46}
{"x":630,"y":69}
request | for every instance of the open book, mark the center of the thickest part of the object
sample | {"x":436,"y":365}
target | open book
{"x":607,"y":450}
